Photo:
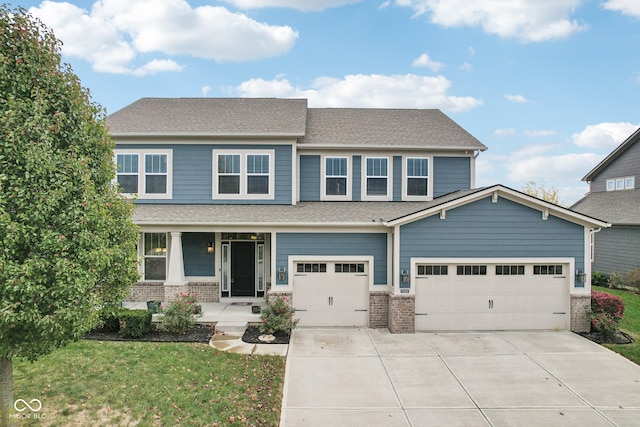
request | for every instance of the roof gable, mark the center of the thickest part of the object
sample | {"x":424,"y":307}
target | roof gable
{"x":232,"y":117}
{"x":380,"y":127}
{"x":635,"y":137}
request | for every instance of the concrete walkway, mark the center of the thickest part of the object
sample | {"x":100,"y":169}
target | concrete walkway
{"x":370,"y":377}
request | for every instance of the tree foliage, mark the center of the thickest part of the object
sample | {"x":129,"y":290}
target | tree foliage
{"x":550,"y":195}
{"x":67,"y":241}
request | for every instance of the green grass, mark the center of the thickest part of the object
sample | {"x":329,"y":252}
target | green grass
{"x":165,"y":384}
{"x":630,"y":323}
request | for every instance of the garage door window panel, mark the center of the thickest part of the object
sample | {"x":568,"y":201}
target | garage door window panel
{"x":349,"y":268}
{"x":471,"y":270}
{"x":433,"y":270}
{"x":510,"y":270}
{"x":547,"y":270}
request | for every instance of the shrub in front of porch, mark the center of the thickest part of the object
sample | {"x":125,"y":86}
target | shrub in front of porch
{"x":277,"y":316}
{"x":607,"y":311}
{"x":179,"y":315}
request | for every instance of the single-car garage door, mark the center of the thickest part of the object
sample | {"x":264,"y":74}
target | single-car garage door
{"x":331,"y":293}
{"x":491,"y":296}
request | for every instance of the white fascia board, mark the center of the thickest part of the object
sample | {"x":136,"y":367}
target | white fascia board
{"x":359,"y":148}
{"x":509,"y":194}
{"x":263,"y":227}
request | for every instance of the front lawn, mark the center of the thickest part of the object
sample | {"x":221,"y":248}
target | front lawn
{"x":629,"y":324}
{"x":151,"y":384}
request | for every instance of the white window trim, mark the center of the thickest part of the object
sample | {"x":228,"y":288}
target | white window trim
{"x":614,"y":183}
{"x":323,"y":177}
{"x":144,"y":256}
{"x":363,"y":183}
{"x":243,"y":195}
{"x":142,"y":173}
{"x":405,"y":178}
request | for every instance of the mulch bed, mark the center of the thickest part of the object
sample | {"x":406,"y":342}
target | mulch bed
{"x":620,"y":338}
{"x":252,"y":333}
{"x":200,"y":333}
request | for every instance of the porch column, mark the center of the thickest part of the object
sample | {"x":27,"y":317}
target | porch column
{"x":175,"y":273}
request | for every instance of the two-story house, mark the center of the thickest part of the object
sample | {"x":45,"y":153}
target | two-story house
{"x":361,"y":217}
{"x":614,"y":195}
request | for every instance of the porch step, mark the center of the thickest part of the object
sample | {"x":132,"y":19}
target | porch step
{"x":231,"y":327}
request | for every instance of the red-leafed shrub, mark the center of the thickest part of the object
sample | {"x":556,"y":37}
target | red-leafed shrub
{"x":607,"y":311}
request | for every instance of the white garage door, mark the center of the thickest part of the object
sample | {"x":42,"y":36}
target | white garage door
{"x":492,"y":296}
{"x":331,"y":293}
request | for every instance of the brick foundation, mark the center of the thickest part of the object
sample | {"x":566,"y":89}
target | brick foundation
{"x":146,"y":291}
{"x":580,"y":310}
{"x":157,"y":291}
{"x":402,"y":314}
{"x":379,"y":309}
{"x":207,"y":291}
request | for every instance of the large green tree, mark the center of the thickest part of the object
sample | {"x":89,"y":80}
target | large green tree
{"x":67,"y":241}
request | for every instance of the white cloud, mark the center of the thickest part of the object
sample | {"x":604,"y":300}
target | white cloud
{"x":518,"y":99}
{"x":305,"y":5}
{"x":115,"y":32}
{"x":466,"y":67}
{"x":540,"y":133}
{"x":205,"y":90}
{"x":604,"y":136}
{"x":504,"y":132}
{"x":626,"y":7}
{"x":426,"y":62}
{"x":360,"y":90}
{"x":527,"y":20}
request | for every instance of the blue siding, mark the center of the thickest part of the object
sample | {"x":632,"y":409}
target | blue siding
{"x":451,"y":174}
{"x":197,"y":262}
{"x":397,"y":179}
{"x":193,"y":173}
{"x":310,"y":176}
{"x":356,"y":193}
{"x":334,"y":244}
{"x":485,"y":229}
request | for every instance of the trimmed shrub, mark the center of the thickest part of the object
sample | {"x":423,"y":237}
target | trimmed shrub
{"x":599,"y":279}
{"x":632,"y":279}
{"x":109,"y":318}
{"x":178,"y":316}
{"x":607,"y":311}
{"x":277,"y":316}
{"x":134,"y":323}
{"x":616,"y":281}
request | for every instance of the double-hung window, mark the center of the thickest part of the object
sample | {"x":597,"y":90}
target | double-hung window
{"x":377,"y":179}
{"x":336,"y":182}
{"x":155,"y":256}
{"x":243,"y":175}
{"x":416,"y":180}
{"x":146,"y":173}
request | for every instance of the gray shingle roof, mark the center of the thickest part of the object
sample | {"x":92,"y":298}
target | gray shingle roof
{"x":386,"y":128}
{"x":615,"y":207}
{"x":211,"y":116}
{"x":635,"y":137}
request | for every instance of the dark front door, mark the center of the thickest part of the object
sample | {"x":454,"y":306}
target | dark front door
{"x":243,"y":269}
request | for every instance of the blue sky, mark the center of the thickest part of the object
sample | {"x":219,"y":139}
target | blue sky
{"x":550,"y":86}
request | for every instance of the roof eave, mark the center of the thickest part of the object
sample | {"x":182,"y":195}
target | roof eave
{"x":307,"y":146}
{"x":612,"y":156}
{"x":201,"y":135}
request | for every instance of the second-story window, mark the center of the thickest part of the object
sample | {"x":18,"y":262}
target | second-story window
{"x":147,"y":173}
{"x":376,"y":178}
{"x":627,"y":183}
{"x":155,"y":173}
{"x":127,"y":172}
{"x":336,"y":175}
{"x":247,"y":175}
{"x":417,"y":184}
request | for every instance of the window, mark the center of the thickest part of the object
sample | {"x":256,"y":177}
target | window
{"x":509,"y":270}
{"x":417,"y":177}
{"x":336,"y":176}
{"x":127,"y":172}
{"x":155,"y":256}
{"x":616,"y":184}
{"x":433,"y":270}
{"x":146,"y":173}
{"x":471,"y":270}
{"x":155,"y":173}
{"x":376,"y":178}
{"x":547,"y":269}
{"x":349,"y":268}
{"x":310,"y":267}
{"x":243,"y":175}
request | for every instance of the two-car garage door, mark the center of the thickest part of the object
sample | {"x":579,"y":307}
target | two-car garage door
{"x":331,"y":293}
{"x":461,"y":295}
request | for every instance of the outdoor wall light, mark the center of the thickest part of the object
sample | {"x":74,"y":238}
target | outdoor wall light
{"x":281,"y":273}
{"x":581,"y":276}
{"x":210,"y":247}
{"x":404,"y":275}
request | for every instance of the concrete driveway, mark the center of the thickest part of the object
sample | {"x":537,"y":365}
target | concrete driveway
{"x":370,"y":377}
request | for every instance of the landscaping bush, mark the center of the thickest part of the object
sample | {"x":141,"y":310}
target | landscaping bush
{"x":599,"y":279}
{"x":109,"y":318}
{"x":607,"y":311}
{"x":632,"y":279}
{"x":178,"y":316}
{"x":134,"y":323}
{"x":616,"y":281}
{"x":277,"y":316}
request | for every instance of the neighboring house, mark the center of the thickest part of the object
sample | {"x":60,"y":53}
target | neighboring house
{"x":362,"y":217}
{"x":614,"y":195}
